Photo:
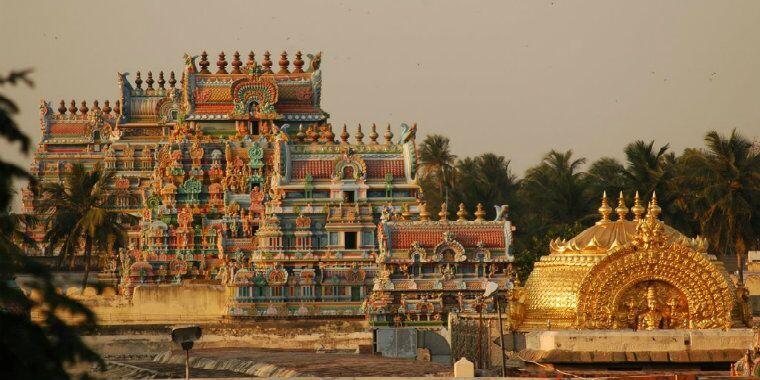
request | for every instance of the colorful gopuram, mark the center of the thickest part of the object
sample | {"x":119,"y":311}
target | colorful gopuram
{"x":237,"y":178}
{"x":427,"y":269}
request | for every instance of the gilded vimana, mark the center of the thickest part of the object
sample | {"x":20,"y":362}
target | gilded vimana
{"x":215,"y":221}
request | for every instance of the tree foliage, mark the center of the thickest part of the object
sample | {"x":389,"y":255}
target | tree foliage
{"x":79,"y":214}
{"x":712,"y":191}
{"x":31,"y":350}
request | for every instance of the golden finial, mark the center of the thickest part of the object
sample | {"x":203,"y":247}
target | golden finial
{"x":462,"y":213}
{"x":637,"y":208}
{"x":424,"y":216}
{"x":444,"y":214}
{"x":479,"y":213}
{"x":621,"y":209}
{"x":604,"y":209}
{"x":654,"y":208}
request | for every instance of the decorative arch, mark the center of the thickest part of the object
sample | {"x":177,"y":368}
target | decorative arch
{"x":352,"y":166}
{"x":164,"y":107}
{"x":708,"y":292}
{"x":417,"y":249}
{"x":245,"y":91}
{"x":450,"y":244}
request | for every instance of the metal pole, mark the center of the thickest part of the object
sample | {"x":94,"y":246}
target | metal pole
{"x":480,"y":336}
{"x":501,"y":335}
{"x":187,"y":364}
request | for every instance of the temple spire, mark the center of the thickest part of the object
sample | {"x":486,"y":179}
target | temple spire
{"x":388,"y":135}
{"x":161,"y":81}
{"x":251,"y":60}
{"x":298,"y":63}
{"x":172,"y":79}
{"x":236,"y":63}
{"x":373,"y":135}
{"x":443,"y":215}
{"x":284,"y":63}
{"x":62,"y":107}
{"x":621,"y":209}
{"x":73,"y":107}
{"x":480,"y":213}
{"x":359,"y":135}
{"x":424,"y":216}
{"x":221,"y":64}
{"x":83,"y":108}
{"x":344,"y":135}
{"x":150,"y":80}
{"x":654,"y":209}
{"x":462,"y":213}
{"x":138,"y":81}
{"x":637,"y":209}
{"x":204,"y":63}
{"x":267,"y":63}
{"x":604,"y":209}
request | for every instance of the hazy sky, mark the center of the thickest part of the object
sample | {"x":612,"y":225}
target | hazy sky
{"x":513,"y":78}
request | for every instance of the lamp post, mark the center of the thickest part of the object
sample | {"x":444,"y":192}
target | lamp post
{"x":480,"y":305}
{"x":185,"y":336}
{"x":491,"y":290}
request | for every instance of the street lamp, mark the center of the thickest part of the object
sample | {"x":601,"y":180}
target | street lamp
{"x":185,"y":336}
{"x":491,"y":290}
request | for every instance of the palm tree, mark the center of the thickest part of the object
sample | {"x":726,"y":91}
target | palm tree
{"x":606,"y":174}
{"x":78,"y":215}
{"x":485,"y":179}
{"x":556,"y":189}
{"x":437,"y":163}
{"x":726,"y":179}
{"x":648,"y":170}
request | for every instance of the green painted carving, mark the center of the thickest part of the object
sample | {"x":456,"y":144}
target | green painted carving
{"x":388,"y":185}
{"x":309,"y":186}
{"x":191,"y":187}
{"x":256,"y":155}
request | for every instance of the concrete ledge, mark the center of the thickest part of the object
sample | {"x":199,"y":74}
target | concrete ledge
{"x":618,"y":346}
{"x":583,"y":357}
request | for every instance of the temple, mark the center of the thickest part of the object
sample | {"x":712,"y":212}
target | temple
{"x":634,"y":274}
{"x":236,"y":177}
{"x":427,"y":269}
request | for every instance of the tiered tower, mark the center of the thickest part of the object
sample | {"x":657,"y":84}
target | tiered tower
{"x":238,"y":178}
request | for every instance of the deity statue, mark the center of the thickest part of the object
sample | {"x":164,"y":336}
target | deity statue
{"x":184,"y":218}
{"x":196,"y":153}
{"x":651,"y":319}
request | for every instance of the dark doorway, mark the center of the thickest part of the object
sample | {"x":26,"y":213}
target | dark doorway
{"x":349,"y":240}
{"x":355,"y":293}
{"x":348,"y":196}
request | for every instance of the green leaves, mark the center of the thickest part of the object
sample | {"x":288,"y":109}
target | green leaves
{"x":32,"y":350}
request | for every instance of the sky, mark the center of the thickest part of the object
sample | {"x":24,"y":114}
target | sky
{"x":515,"y":78}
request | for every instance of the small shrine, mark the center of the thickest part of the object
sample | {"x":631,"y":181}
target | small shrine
{"x":637,"y":274}
{"x":427,"y":269}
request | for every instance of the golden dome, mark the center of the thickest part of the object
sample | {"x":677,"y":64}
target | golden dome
{"x":554,"y":291}
{"x":602,"y":237}
{"x":606,"y":234}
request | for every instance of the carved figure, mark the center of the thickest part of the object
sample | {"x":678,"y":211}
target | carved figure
{"x":651,"y":319}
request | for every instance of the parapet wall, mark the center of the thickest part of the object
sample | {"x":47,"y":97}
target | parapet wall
{"x":180,"y":301}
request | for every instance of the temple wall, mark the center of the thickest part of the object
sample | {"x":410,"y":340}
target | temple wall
{"x":201,"y":301}
{"x":308,"y":334}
